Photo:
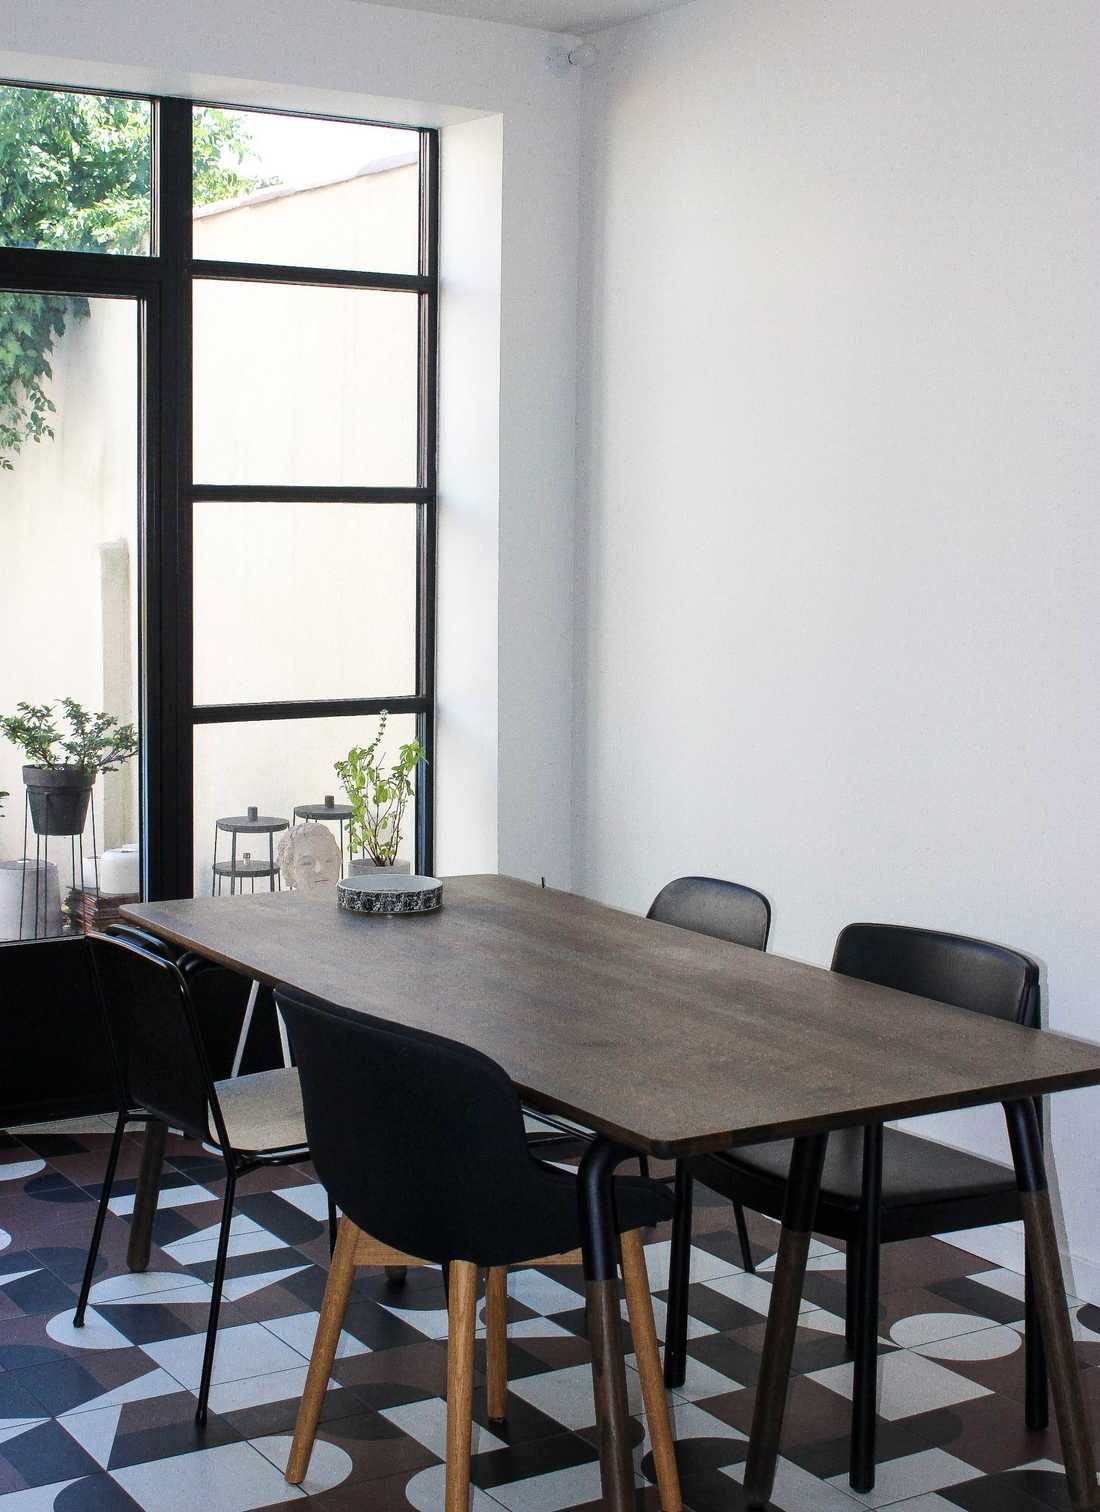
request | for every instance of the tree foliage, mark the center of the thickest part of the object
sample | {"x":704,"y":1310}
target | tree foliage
{"x":75,"y":176}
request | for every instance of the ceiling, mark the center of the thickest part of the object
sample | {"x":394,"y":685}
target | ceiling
{"x":575,"y":16}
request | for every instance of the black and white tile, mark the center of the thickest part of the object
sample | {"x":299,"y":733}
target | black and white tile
{"x":101,"y":1419}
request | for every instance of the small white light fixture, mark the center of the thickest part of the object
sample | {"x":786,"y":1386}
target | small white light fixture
{"x":559,"y":61}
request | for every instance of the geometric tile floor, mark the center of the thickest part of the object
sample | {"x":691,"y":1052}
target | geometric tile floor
{"x":101,"y":1419}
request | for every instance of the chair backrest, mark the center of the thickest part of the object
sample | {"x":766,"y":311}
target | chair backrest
{"x":418,"y":1139}
{"x":944,"y":967}
{"x":154,"y":1034}
{"x":709,"y":906}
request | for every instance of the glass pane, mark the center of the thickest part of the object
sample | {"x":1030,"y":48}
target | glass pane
{"x":69,"y":498}
{"x":320,"y":194}
{"x":75,"y":170}
{"x":274,"y":767}
{"x":308,"y":600}
{"x":299,"y":385}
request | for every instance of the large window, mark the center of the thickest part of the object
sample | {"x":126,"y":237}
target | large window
{"x":217,"y":457}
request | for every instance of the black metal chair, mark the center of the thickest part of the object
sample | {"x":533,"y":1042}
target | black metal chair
{"x":163,"y":1076}
{"x":726,"y":911}
{"x":881,"y":1185}
{"x":421,"y":1143}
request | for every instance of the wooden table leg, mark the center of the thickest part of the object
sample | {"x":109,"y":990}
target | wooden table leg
{"x":1050,"y":1301}
{"x":496,"y":1342}
{"x":605,"y":1336}
{"x":145,"y":1198}
{"x":799,"y":1207}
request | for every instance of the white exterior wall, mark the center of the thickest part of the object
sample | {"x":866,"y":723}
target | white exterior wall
{"x":354,"y":59}
{"x":64,"y":500}
{"x":837,"y":524}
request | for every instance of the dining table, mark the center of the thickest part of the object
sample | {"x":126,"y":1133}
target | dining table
{"x":666,"y":1043}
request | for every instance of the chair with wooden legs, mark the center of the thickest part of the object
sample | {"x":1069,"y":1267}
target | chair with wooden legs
{"x":881,"y":1185}
{"x":421,"y":1144}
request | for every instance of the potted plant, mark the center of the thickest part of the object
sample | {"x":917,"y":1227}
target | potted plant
{"x":64,"y":759}
{"x":378,"y":796}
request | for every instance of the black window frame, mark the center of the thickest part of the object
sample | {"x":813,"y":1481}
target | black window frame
{"x":162,"y":284}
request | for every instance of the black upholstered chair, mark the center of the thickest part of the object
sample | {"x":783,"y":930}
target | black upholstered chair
{"x":421,"y":1143}
{"x":707,"y":905}
{"x":726,"y":911}
{"x":881,"y":1185}
{"x":163,"y":1075}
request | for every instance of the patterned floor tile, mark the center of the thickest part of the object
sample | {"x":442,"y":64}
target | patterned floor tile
{"x":908,"y":1384}
{"x":232,"y":1478}
{"x":101,"y":1419}
{"x":914,"y":1474}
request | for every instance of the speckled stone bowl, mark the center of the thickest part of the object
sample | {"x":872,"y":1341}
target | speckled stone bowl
{"x":378,"y":893}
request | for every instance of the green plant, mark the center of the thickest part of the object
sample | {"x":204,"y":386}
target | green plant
{"x":378,"y":795}
{"x":92,"y":742}
{"x":75,"y":170}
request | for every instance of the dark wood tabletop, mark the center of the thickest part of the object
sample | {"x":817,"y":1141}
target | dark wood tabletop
{"x":658,"y":1037}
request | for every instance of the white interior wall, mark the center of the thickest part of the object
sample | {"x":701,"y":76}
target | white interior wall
{"x":356,"y":59}
{"x":838,"y":541}
{"x":469,"y":498}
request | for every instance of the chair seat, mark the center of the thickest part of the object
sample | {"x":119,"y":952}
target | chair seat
{"x":533,"y":1123}
{"x":916,"y":1172}
{"x":263,"y":1111}
{"x":639,"y":1203}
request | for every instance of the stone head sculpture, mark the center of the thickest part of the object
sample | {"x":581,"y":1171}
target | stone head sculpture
{"x":309,"y":858}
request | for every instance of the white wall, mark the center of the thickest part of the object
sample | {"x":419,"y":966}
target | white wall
{"x":467,"y":754}
{"x":838,"y":534}
{"x":352,"y":58}
{"x":68,"y":549}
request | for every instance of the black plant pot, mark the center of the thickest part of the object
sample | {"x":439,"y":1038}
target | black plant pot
{"x":59,"y":798}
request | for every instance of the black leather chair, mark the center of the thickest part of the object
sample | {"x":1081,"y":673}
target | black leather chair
{"x":881,"y":1185}
{"x":707,"y":905}
{"x":420,"y":1141}
{"x":162,"y":1075}
{"x":726,"y":911}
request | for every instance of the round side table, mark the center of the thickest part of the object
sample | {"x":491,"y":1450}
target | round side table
{"x":247,"y":868}
{"x":329,"y":811}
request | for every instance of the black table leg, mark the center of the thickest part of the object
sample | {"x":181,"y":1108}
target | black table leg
{"x":601,"y":1284}
{"x":861,"y":1460}
{"x":145,"y":1198}
{"x":1050,"y":1302}
{"x":799,"y":1207}
{"x":679,"y":1280}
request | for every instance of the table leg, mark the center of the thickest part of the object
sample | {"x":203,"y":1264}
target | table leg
{"x":605,"y":1338}
{"x":861,"y":1460}
{"x":1050,"y":1300}
{"x":145,"y":1198}
{"x":799,"y":1206}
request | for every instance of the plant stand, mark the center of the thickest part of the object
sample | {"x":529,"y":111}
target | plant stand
{"x":39,"y":924}
{"x":329,"y":812}
{"x":244,"y":868}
